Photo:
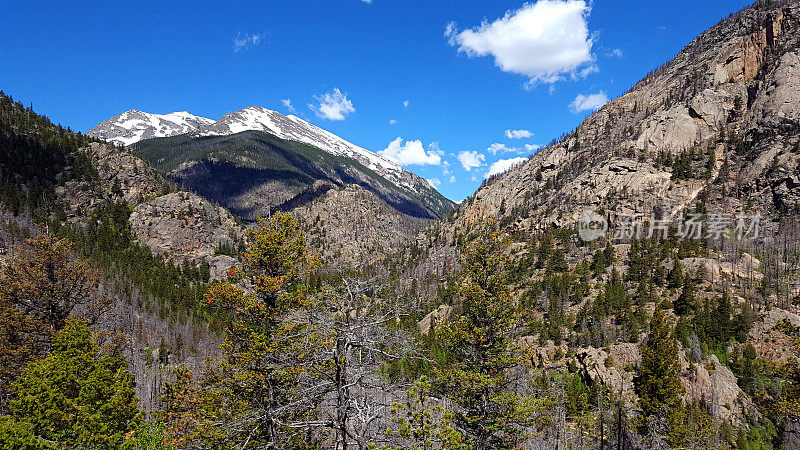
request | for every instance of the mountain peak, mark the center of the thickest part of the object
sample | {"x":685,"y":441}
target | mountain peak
{"x":133,"y":126}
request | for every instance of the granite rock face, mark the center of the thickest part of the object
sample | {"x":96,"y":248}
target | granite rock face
{"x":184,"y":226}
{"x":729,"y":102}
{"x":122,"y":176}
{"x":734,"y":91}
{"x":350,"y":226}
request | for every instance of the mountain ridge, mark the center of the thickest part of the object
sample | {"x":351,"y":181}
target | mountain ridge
{"x":133,"y":126}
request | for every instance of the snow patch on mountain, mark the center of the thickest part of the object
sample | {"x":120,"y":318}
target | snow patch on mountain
{"x":296,"y":129}
{"x":133,"y":126}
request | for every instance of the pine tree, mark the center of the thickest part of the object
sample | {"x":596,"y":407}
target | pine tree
{"x":477,"y":375}
{"x":265,"y":358}
{"x":47,"y":282}
{"x":685,"y":303}
{"x":76,"y":397}
{"x":657,"y":383}
{"x":20,"y":343}
{"x":557,"y":262}
{"x":422,"y":424}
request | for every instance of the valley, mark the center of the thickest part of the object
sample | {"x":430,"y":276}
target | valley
{"x":169,"y":281}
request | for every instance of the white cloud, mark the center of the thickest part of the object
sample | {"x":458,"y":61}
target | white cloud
{"x":586,"y":71}
{"x":288,"y":104}
{"x":471,"y":159}
{"x":244,"y":41}
{"x":435,"y":182}
{"x":412,"y":152}
{"x":405,"y":103}
{"x":503,"y":165}
{"x":503,"y":148}
{"x":589,"y":102}
{"x":333,"y":105}
{"x":452,"y":178}
{"x":532,"y":147}
{"x":499,"y":148}
{"x":392,"y":122}
{"x":518,"y":134}
{"x":615,"y":52}
{"x":542,"y":41}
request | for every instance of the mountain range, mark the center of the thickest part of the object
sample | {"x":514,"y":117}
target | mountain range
{"x":701,"y":329}
{"x":256,"y":161}
{"x":134,"y":126}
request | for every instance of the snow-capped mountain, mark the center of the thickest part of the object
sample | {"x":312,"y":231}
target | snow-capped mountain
{"x":133,"y":126}
{"x":296,"y":129}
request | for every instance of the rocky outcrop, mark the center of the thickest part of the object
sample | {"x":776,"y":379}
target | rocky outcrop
{"x":184,"y":226}
{"x":122,"y":176}
{"x":434,"y":318}
{"x":734,"y":90}
{"x":780,"y":95}
{"x":714,"y":271}
{"x":715,"y":384}
{"x":770,"y":339}
{"x":351,"y":226}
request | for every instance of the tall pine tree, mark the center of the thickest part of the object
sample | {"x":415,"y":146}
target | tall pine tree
{"x":477,"y":377}
{"x":657,"y":383}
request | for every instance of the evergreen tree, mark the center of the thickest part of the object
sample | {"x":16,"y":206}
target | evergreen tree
{"x":685,"y":303}
{"x":265,"y":358}
{"x":544,"y":250}
{"x":477,"y":375}
{"x":20,"y":343}
{"x":557,"y":262}
{"x":76,"y":397}
{"x":657,"y":383}
{"x":421,"y":424}
{"x":682,"y":168}
{"x":47,"y":282}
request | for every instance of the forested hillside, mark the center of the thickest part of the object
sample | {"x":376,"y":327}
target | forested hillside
{"x":631,"y":286}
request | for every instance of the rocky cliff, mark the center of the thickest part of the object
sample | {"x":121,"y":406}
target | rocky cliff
{"x":714,"y":131}
{"x":351,"y":227}
{"x":731,"y":96}
{"x":186,"y":227}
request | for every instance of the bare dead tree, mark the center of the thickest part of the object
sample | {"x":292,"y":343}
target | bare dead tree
{"x":358,"y":333}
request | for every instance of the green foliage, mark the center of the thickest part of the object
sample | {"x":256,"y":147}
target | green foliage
{"x":657,"y":383}
{"x":557,"y":262}
{"x":602,"y":259}
{"x":20,"y":343}
{"x":682,"y":167}
{"x":21,"y":435}
{"x":685,"y":303}
{"x":544,"y":250}
{"x":481,"y":352}
{"x":75,"y":396}
{"x":151,"y":436}
{"x":258,"y":380}
{"x":229,"y":249}
{"x":33,"y":151}
{"x":577,"y":401}
{"x":109,"y":242}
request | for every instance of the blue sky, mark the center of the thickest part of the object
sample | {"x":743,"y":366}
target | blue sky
{"x":422,"y":71}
